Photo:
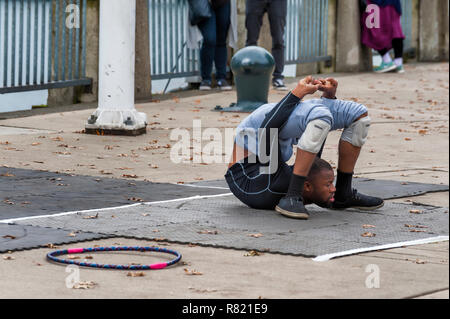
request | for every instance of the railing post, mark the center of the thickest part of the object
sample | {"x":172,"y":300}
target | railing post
{"x":116,"y":113}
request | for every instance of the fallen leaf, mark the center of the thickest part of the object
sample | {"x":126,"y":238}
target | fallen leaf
{"x":407,"y":139}
{"x":255,"y":235}
{"x":35,"y":144}
{"x":8,"y":258}
{"x":253,"y":253}
{"x":72,"y":235}
{"x":415,"y":211}
{"x":192,"y":272}
{"x":7,"y":175}
{"x":129,"y":176}
{"x":9,"y":236}
{"x":135,"y":274}
{"x":135,"y":199}
{"x":91,"y":217}
{"x":84,"y":285}
{"x":368,"y":226}
{"x":368,"y":234}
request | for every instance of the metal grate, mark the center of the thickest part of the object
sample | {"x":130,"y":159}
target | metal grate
{"x":43,"y":44}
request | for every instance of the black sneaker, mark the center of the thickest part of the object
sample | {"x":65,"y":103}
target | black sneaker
{"x":292,"y":207}
{"x":278,"y":84}
{"x":359,"y":201}
{"x":205,"y":85}
{"x":223,"y":85}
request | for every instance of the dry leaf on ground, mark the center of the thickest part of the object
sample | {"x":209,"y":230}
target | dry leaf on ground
{"x":135,"y":274}
{"x":192,"y":272}
{"x":253,"y":253}
{"x":84,"y":285}
{"x":368,"y":234}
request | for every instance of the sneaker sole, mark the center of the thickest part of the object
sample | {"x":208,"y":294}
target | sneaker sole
{"x":280,"y":88}
{"x":365,"y":208}
{"x":291,"y":214}
{"x":389,"y":69}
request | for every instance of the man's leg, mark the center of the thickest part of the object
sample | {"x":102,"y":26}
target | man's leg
{"x":277,"y":17}
{"x":254,"y":13}
{"x":309,"y":145}
{"x":222,"y":26}
{"x":207,"y":51}
{"x":349,"y":149}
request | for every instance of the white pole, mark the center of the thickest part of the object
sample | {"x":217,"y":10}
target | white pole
{"x":116,"y":110}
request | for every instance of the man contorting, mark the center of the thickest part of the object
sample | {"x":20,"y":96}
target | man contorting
{"x":258,"y":174}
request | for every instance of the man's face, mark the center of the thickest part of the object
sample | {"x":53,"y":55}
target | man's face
{"x":322,"y":188}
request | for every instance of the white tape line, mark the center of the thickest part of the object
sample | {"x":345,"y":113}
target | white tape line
{"x":380,"y":247}
{"x":12,"y":220}
{"x":204,"y":186}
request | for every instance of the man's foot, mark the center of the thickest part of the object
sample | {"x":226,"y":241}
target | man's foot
{"x":205,"y":85}
{"x":385,"y":67}
{"x":223,"y":85}
{"x":278,"y":84}
{"x":292,"y":207}
{"x":400,"y":69}
{"x":359,"y":201}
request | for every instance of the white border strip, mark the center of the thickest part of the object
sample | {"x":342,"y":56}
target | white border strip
{"x":204,"y":186}
{"x":380,"y":247}
{"x":12,"y":220}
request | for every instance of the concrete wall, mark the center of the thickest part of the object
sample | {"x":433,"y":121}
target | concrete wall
{"x":433,"y":30}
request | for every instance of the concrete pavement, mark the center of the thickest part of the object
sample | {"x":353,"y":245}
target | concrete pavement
{"x":408,"y":142}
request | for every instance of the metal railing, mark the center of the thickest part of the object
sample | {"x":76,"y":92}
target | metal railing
{"x":305,"y":36}
{"x":306,"y":33}
{"x":169,"y":54}
{"x":43,"y":44}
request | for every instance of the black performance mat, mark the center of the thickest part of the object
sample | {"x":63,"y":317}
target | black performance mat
{"x":30,"y":192}
{"x":385,"y":189}
{"x":225,"y":222}
{"x":19,"y":237}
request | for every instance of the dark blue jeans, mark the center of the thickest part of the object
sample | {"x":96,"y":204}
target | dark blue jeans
{"x":214,"y":47}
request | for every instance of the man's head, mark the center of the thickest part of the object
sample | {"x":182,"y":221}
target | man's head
{"x":319,"y":188}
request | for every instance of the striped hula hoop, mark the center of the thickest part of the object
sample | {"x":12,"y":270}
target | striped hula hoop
{"x":52,"y":256}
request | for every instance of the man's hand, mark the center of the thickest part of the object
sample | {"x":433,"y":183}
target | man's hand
{"x":328,"y":86}
{"x":306,"y":86}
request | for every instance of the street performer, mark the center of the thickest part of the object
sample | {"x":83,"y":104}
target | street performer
{"x":258,"y":174}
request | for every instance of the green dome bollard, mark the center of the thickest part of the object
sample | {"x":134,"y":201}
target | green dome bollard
{"x":252,"y":68}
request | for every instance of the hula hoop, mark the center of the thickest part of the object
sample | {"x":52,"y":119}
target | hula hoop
{"x":52,"y":256}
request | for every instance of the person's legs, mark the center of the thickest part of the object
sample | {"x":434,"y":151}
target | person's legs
{"x":207,"y":51}
{"x":387,"y":64}
{"x":222,"y":26}
{"x":397,"y":44}
{"x":254,"y":13}
{"x":277,"y":17}
{"x":350,"y":145}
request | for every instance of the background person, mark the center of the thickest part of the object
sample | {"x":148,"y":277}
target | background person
{"x":276,"y":10}
{"x":388,"y":35}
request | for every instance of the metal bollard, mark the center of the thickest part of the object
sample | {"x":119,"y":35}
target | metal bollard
{"x":252,"y":68}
